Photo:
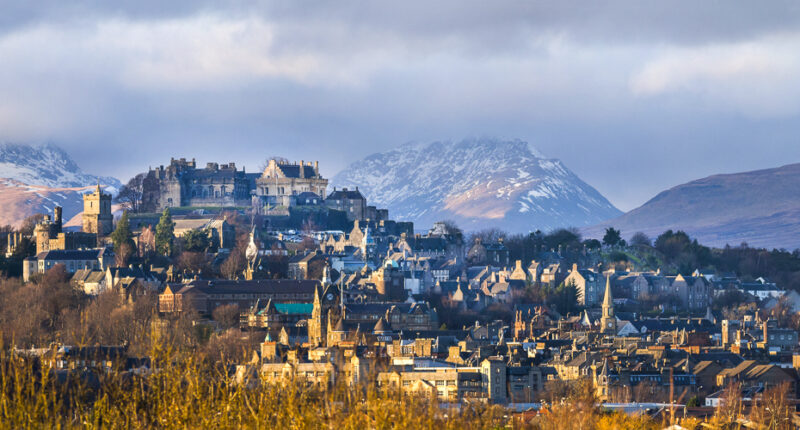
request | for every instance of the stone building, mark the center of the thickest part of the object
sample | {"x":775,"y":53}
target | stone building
{"x":72,"y":260}
{"x":589,"y":284}
{"x":183,"y":184}
{"x":281,"y":183}
{"x":351,"y":202}
{"x":97,"y":216}
{"x":48,"y":235}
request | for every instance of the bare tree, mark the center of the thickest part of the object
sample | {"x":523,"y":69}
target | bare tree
{"x":641,"y":239}
{"x":123,"y":254}
{"x":226,"y":315}
{"x":234,"y":265}
{"x":130,"y":195}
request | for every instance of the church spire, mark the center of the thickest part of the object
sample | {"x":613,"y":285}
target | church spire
{"x":608,"y":300}
{"x":608,"y":320}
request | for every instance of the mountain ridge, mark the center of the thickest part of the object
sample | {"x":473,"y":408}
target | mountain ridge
{"x":478,"y":183}
{"x":34,"y":179}
{"x":760,"y":207}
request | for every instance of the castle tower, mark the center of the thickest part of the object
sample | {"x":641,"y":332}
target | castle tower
{"x":608,"y":321}
{"x":97,"y":216}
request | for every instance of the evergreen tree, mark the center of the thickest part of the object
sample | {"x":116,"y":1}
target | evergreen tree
{"x":612,"y":237}
{"x":196,"y":241}
{"x":165,"y":231}
{"x":122,"y":234}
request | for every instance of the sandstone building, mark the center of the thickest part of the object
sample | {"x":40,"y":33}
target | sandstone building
{"x":281,"y":183}
{"x":182,"y":183}
{"x":97,"y":216}
{"x":49,"y":236}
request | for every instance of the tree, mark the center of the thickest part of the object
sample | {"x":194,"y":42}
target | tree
{"x":453,"y":230}
{"x":122,"y":254}
{"x":592,"y":244}
{"x":612,"y":237}
{"x":122,"y":234}
{"x":29,"y":223}
{"x":564,"y":239}
{"x":196,"y":240}
{"x":165,"y":232}
{"x":564,"y":297}
{"x":640,"y":239}
{"x":226,"y":315}
{"x":234,"y":265}
{"x":147,"y":241}
{"x":194,"y":262}
{"x":130,"y":195}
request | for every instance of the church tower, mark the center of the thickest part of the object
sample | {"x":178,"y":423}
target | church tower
{"x":608,"y":320}
{"x":97,"y":216}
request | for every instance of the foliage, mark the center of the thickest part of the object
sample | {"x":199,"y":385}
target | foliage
{"x":122,"y":234}
{"x":528,"y":247}
{"x":165,"y":232}
{"x":186,"y":392}
{"x":679,"y":250}
{"x":617,"y":256}
{"x":564,"y":297}
{"x":640,"y":239}
{"x":196,"y":240}
{"x":612,"y":237}
{"x":592,"y":244}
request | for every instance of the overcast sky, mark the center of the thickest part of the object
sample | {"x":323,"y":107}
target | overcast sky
{"x":634,"y":97}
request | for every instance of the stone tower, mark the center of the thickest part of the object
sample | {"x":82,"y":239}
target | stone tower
{"x":97,"y":216}
{"x":608,"y":320}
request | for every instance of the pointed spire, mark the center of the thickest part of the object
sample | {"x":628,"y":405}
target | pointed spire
{"x":381,"y":326}
{"x":608,"y":300}
{"x":604,"y":370}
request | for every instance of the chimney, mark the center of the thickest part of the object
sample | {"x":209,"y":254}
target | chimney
{"x":57,"y":214}
{"x":302,"y":168}
{"x":574,"y":267}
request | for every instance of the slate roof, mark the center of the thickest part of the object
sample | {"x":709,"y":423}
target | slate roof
{"x":293,"y":170}
{"x":70,"y":254}
{"x":345,"y":195}
{"x":258,"y":286}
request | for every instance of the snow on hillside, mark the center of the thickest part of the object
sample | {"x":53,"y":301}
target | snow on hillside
{"x":46,"y":165}
{"x":35,"y":179}
{"x":479,"y":183}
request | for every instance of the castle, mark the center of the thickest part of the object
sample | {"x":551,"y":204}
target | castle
{"x":97,"y":216}
{"x":183,"y":184}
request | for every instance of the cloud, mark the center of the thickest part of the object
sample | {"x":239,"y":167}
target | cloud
{"x":756,"y":77}
{"x":124,"y":85}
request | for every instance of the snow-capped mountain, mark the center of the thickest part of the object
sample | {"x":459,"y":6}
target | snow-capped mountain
{"x":46,"y":165}
{"x":35,"y":179}
{"x":479,"y":183}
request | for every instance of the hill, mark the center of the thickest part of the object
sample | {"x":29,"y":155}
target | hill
{"x":478,"y":183}
{"x":760,"y":207}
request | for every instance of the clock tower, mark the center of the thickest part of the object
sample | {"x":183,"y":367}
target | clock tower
{"x":608,"y":320}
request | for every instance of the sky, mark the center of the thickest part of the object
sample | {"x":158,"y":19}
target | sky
{"x":633,"y":96}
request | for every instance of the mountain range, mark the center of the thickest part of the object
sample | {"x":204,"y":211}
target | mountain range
{"x":760,"y":207}
{"x":34,"y":179}
{"x":478,"y":183}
